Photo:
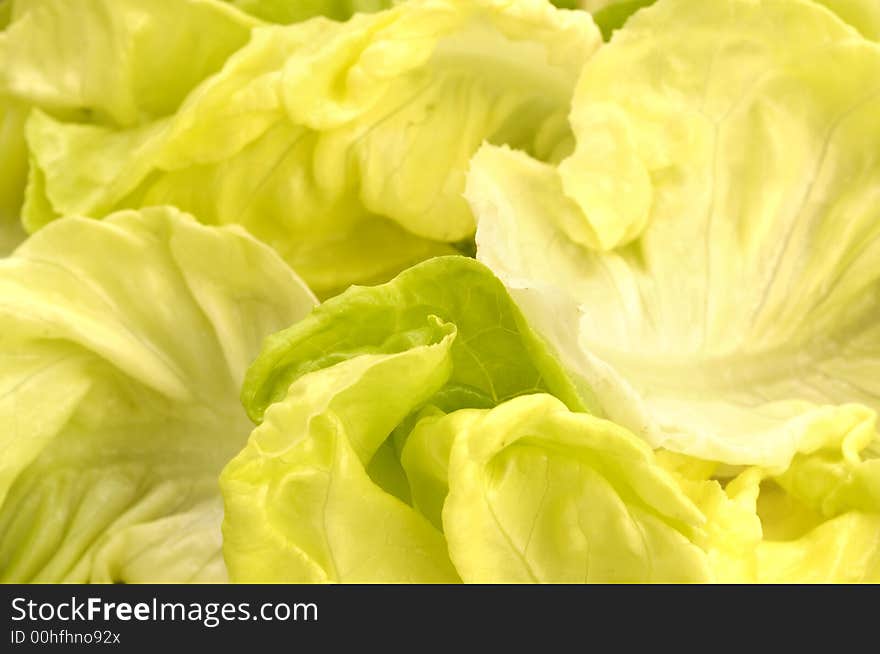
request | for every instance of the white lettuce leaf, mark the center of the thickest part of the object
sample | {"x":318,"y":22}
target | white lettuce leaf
{"x":708,"y":258}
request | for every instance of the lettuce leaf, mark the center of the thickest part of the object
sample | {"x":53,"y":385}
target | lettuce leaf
{"x":864,"y":15}
{"x":708,"y":258}
{"x":496,"y":355}
{"x":540,"y":494}
{"x":143,"y":57}
{"x":380,"y":458}
{"x":13,"y":172}
{"x":329,"y":139}
{"x":427,"y":421}
{"x":294,"y":11}
{"x":816,"y":522}
{"x":120,"y":365}
{"x":299,"y":503}
{"x":610,"y":15}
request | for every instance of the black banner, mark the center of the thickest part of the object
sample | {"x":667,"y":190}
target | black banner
{"x":130,"y":618}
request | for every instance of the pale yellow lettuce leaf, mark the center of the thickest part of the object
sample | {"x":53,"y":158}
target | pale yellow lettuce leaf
{"x":124,"y":343}
{"x":708,"y":259}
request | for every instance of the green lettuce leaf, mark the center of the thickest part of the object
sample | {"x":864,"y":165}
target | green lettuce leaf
{"x":842,"y":550}
{"x":140,"y":63}
{"x":496,"y":354}
{"x":299,"y":504}
{"x":13,"y":172}
{"x":336,"y":142}
{"x":121,"y":361}
{"x":13,"y":160}
{"x":379,"y":457}
{"x":610,"y":15}
{"x":294,"y":11}
{"x":540,"y":494}
{"x":708,"y":258}
{"x":143,"y":57}
{"x":864,"y":15}
{"x":816,"y":522}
